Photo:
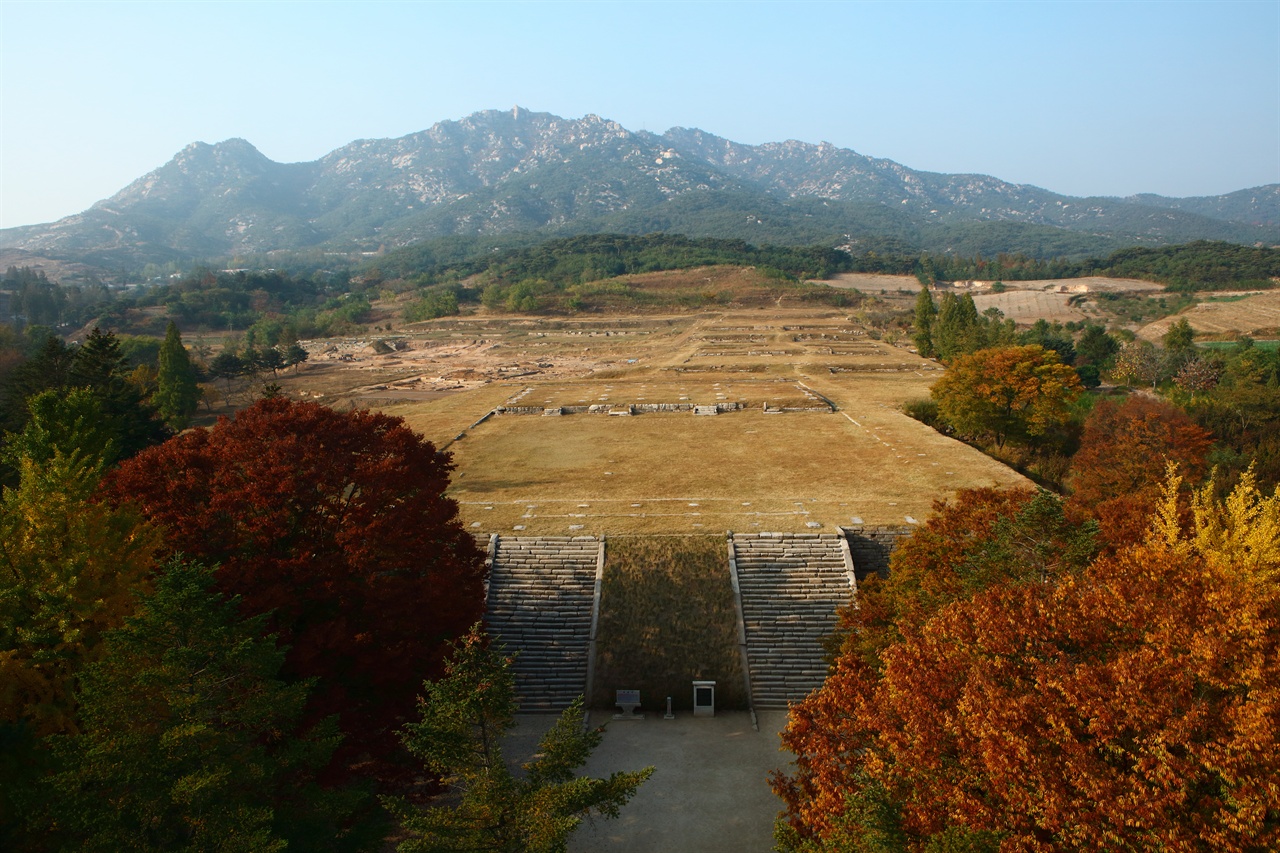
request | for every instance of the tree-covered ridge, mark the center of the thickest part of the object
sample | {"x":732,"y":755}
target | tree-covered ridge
{"x":1202,"y":265}
{"x":572,"y":260}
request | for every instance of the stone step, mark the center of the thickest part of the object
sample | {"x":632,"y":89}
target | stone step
{"x":541,"y":595}
{"x":791,"y":585}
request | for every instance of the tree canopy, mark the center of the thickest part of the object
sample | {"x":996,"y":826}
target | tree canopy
{"x":335,"y":525}
{"x":1119,"y":470}
{"x":1007,"y":393}
{"x":1128,"y":705}
{"x":191,"y":740}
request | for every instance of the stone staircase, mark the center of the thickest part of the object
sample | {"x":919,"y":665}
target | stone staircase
{"x":540,"y":602}
{"x":790,"y":585}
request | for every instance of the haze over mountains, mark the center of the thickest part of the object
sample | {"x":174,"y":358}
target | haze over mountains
{"x":503,"y":172}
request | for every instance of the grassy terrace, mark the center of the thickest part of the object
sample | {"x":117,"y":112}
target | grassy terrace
{"x":748,"y":471}
{"x":666,"y":617}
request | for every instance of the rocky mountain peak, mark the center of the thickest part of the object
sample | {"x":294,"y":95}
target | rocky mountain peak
{"x":522,"y":170}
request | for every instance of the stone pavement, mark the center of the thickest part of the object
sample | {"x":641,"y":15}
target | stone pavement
{"x":709,"y":793}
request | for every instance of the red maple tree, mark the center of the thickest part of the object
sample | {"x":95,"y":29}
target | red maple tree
{"x":335,"y":524}
{"x":1125,"y":449}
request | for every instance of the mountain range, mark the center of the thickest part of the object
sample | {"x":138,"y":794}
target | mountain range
{"x":518,"y":172}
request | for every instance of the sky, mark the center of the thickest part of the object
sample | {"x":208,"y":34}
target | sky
{"x":1082,"y":98}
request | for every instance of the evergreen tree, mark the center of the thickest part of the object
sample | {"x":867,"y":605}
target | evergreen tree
{"x":1096,"y":347}
{"x":296,"y":354}
{"x":956,"y":330}
{"x":464,"y":717}
{"x":191,"y":740}
{"x":100,"y":364}
{"x":1053,"y":337}
{"x":1179,"y":344}
{"x":926,"y":310}
{"x":49,"y":367}
{"x":178,"y":392}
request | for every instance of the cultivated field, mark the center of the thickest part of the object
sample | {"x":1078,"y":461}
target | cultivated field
{"x":1227,"y":315}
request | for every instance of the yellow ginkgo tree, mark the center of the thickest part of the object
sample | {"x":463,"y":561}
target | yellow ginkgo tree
{"x":69,"y":567}
{"x":1239,"y":533}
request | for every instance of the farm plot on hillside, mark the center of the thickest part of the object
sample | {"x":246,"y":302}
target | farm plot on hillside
{"x":1027,"y":306}
{"x":1226,"y":314}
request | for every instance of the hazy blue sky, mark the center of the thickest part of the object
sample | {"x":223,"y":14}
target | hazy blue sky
{"x":1103,"y":98}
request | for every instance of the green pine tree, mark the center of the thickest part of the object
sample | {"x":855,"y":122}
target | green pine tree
{"x":100,"y":365}
{"x":177,"y":392}
{"x":926,"y":310}
{"x":190,"y":740}
{"x":464,"y":717}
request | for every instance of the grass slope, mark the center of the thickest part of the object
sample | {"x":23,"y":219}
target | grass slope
{"x":667,"y":618}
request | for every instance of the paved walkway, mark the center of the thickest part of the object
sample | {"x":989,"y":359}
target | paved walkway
{"x":709,"y":794}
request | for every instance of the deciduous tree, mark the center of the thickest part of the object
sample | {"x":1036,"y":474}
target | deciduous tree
{"x":1118,"y":473}
{"x":1139,"y":362}
{"x":1131,"y":706}
{"x":68,"y":566}
{"x":983,"y":538}
{"x":1007,"y":393}
{"x":335,"y":524}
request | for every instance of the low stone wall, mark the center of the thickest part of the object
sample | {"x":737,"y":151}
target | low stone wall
{"x":606,"y":408}
{"x":871,"y":547}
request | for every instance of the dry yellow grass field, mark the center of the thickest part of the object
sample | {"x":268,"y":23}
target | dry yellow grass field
{"x":675,"y":472}
{"x":854,"y":459}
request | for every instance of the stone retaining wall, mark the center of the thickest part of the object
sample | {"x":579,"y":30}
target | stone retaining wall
{"x":871,"y":547}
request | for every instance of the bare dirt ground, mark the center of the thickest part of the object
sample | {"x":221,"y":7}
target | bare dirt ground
{"x":876,"y":283}
{"x":853,"y":459}
{"x":1061,"y":300}
{"x":879,"y":283}
{"x":1027,"y":306}
{"x":1254,"y":313}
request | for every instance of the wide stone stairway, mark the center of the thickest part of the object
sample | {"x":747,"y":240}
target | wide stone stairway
{"x":541,"y":594}
{"x":791,"y":585}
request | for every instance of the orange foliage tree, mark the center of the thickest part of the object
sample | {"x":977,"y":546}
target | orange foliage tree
{"x":1117,"y":474}
{"x":1007,"y":393}
{"x":986,"y":536}
{"x":1135,"y":705}
{"x":336,"y":525}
